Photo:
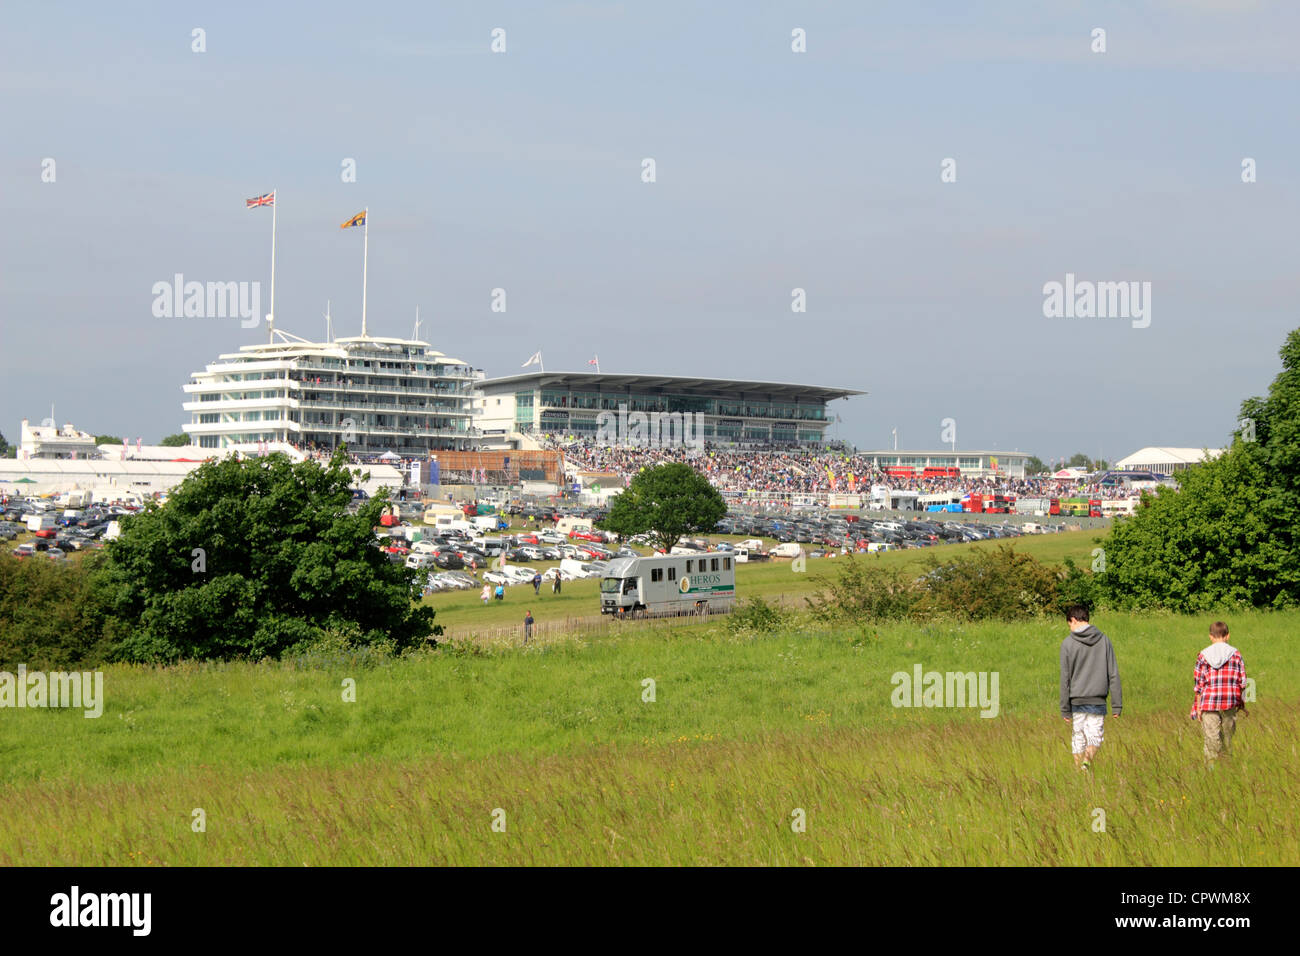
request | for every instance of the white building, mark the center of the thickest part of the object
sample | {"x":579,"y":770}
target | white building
{"x":970,"y":464}
{"x":117,"y":474}
{"x":52,"y":442}
{"x":371,"y":394}
{"x":1165,"y":461}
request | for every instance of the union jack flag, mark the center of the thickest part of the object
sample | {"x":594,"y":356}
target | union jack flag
{"x":267,"y":200}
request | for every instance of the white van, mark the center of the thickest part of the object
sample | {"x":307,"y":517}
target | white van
{"x":487,"y":524}
{"x":790,"y":549}
{"x":40,"y":522}
{"x":444,"y":524}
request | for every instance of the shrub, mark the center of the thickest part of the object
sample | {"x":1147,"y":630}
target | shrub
{"x":999,"y":584}
{"x":50,"y":615}
{"x":996,"y":584}
{"x":756,"y":614}
{"x":864,"y":590}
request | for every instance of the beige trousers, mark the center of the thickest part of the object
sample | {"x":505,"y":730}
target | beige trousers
{"x":1218,"y":726}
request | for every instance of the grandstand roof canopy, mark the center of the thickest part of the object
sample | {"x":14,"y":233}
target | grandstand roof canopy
{"x":1163,"y":455}
{"x":726,"y":386}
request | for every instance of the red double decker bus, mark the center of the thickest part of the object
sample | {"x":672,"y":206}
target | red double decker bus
{"x":937,"y":471}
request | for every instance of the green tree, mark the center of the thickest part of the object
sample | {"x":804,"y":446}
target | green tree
{"x":249,"y":558}
{"x":1035,"y":465}
{"x":1228,"y":535}
{"x":1078,"y":460}
{"x":179,"y":440}
{"x":6,"y":450}
{"x":667,"y":501}
{"x":108,"y":439}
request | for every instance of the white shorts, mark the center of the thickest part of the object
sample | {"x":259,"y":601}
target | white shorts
{"x":1088,"y":731}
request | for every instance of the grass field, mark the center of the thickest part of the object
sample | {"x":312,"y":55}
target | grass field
{"x":463,"y":613}
{"x":747,"y":734}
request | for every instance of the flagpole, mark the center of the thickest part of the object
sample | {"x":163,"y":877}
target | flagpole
{"x":541,"y":363}
{"x":270,"y":324}
{"x":365,"y":261}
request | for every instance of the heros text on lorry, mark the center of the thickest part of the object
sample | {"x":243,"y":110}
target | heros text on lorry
{"x":671,"y":584}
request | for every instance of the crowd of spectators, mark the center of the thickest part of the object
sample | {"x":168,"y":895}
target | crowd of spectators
{"x":806,"y":471}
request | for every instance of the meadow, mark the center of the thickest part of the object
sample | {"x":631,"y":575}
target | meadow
{"x":757,"y":748}
{"x":462,"y":613}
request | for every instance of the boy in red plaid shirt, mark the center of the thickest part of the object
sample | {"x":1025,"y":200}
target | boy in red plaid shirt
{"x":1219,"y":679}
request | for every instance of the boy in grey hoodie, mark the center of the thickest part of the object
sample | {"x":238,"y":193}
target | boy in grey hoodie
{"x":1089,"y":674}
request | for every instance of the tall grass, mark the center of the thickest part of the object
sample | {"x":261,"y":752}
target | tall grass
{"x":745,"y":727}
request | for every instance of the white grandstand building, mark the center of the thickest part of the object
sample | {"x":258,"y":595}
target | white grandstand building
{"x":518,"y":411}
{"x":373,"y":394}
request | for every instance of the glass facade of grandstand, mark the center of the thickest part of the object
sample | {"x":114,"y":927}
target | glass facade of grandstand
{"x":372,"y":394}
{"x":574,"y":412}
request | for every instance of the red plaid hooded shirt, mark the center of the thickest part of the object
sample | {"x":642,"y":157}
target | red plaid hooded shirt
{"x":1219,"y":688}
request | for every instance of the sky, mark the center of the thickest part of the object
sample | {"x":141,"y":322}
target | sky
{"x":774,"y":170}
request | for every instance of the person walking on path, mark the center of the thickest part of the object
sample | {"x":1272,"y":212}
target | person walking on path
{"x":1218,"y":681}
{"x":486,"y":594}
{"x":500,"y":593}
{"x":555,"y":582}
{"x":537,"y":585}
{"x":1089,"y":674}
{"x":528,"y":627}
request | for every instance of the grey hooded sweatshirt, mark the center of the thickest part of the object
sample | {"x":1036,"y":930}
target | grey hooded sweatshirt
{"x":1089,"y":672}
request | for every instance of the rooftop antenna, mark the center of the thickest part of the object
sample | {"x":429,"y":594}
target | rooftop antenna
{"x":329,"y":323}
{"x":416,"y":336}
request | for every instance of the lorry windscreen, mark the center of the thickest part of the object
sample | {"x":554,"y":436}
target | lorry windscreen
{"x":610,"y":585}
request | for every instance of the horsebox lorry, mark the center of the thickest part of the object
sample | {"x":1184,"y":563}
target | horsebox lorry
{"x":669,"y":584}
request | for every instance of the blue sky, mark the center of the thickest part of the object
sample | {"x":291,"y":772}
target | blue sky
{"x":775,"y":170}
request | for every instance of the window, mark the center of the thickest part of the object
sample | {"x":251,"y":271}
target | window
{"x":656,"y":574}
{"x":672,"y":574}
{"x":688,"y":566}
{"x":715,"y":564}
{"x":726,"y":564}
